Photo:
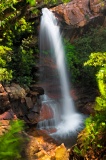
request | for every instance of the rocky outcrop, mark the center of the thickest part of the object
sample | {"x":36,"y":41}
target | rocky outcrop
{"x":24,"y":102}
{"x":37,"y":145}
{"x":44,"y":147}
{"x":79,"y":14}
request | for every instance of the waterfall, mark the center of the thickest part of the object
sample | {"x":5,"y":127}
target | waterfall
{"x":55,"y":79}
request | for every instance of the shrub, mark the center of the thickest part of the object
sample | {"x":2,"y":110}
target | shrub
{"x":92,"y":140}
{"x":91,"y":42}
{"x":11,"y":142}
{"x":73,"y":63}
{"x":21,"y":64}
{"x":80,"y":74}
{"x":5,"y":58}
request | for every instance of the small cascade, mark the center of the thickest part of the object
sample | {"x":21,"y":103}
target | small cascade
{"x":53,"y":121}
{"x":55,"y":81}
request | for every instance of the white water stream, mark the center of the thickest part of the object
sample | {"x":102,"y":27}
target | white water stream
{"x":66,"y":119}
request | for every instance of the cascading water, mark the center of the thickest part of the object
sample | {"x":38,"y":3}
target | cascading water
{"x":55,"y":79}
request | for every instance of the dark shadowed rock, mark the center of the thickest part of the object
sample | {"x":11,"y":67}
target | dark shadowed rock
{"x":24,"y":102}
{"x":38,"y":90}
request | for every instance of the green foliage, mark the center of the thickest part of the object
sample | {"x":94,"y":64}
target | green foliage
{"x":5,"y":58}
{"x":77,"y":150}
{"x":80,"y":74}
{"x":5,"y":75}
{"x":14,"y":34}
{"x":92,"y":140}
{"x":6,"y":4}
{"x":11,"y":142}
{"x":91,"y":42}
{"x":22,"y":64}
{"x":23,"y":26}
{"x":101,"y":78}
{"x":18,"y":38}
{"x":32,"y":2}
{"x":4,"y":55}
{"x":96,"y":59}
{"x":73,"y":61}
{"x":55,"y":1}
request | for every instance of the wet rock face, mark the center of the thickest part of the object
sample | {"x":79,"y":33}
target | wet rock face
{"x":77,"y":16}
{"x":24,"y":102}
{"x":79,"y":12}
{"x":45,"y":113}
{"x":84,"y":99}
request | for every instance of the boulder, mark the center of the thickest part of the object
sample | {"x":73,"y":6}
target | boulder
{"x":45,"y":113}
